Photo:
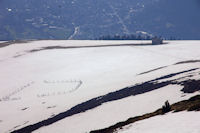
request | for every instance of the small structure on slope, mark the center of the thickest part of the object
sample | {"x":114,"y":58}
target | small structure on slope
{"x":157,"y":40}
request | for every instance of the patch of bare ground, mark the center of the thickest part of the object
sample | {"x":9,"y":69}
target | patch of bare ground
{"x":152,"y":70}
{"x":191,"y":86}
{"x":192,"y":104}
{"x":4,"y":44}
{"x":188,"y":61}
{"x":91,"y":46}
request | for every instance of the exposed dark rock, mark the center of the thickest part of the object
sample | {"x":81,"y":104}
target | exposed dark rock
{"x":24,"y":108}
{"x":152,"y":70}
{"x":49,"y":107}
{"x":191,"y":86}
{"x":188,"y":61}
{"x":174,"y":74}
{"x":4,"y":44}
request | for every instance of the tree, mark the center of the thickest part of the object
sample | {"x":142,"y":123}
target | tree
{"x":166,"y":108}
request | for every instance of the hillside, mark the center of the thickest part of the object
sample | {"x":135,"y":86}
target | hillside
{"x":80,"y":86}
{"x":90,"y":19}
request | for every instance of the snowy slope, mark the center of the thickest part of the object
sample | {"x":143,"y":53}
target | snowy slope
{"x":41,"y":84}
{"x":120,"y":110}
{"x":183,"y":122}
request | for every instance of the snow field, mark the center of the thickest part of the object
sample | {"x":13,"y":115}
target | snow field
{"x":182,"y":122}
{"x":100,"y":69}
